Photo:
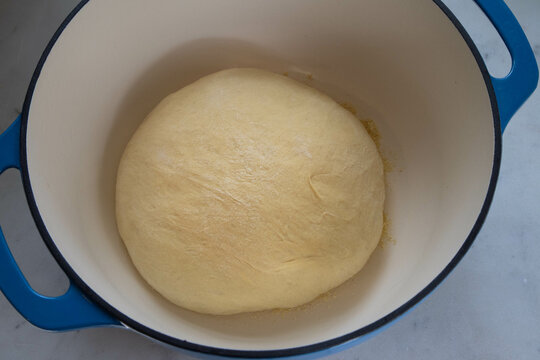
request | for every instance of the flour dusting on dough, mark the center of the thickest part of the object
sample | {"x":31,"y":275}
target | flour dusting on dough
{"x":373,"y":131}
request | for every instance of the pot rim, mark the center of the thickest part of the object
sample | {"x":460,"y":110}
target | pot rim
{"x":295,"y":351}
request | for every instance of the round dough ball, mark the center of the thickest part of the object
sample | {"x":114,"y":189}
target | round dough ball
{"x":247,"y":191}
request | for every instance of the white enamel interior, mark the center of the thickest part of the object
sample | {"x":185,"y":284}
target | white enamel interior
{"x":401,"y":63}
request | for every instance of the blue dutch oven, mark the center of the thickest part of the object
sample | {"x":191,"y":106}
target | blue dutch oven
{"x":408,"y":65}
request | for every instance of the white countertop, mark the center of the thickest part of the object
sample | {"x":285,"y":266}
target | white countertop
{"x":488,"y":308}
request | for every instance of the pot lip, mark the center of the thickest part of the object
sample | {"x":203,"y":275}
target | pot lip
{"x":302,"y":350}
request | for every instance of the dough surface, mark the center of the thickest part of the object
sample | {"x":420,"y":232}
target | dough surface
{"x":246,"y":191}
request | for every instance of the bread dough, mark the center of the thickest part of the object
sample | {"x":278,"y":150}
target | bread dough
{"x":248,"y":190}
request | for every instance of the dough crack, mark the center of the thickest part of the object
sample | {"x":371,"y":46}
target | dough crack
{"x":313,"y":188}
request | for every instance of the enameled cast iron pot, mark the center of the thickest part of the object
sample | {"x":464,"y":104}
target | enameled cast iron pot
{"x":408,"y":65}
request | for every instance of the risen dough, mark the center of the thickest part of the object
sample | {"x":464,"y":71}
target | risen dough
{"x":246,"y":191}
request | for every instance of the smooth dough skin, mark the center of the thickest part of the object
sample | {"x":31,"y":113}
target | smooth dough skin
{"x":247,"y":191}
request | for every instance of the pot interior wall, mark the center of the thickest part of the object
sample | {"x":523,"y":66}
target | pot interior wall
{"x":401,"y":63}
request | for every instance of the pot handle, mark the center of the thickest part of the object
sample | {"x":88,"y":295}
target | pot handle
{"x":68,"y":311}
{"x":512,"y":90}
